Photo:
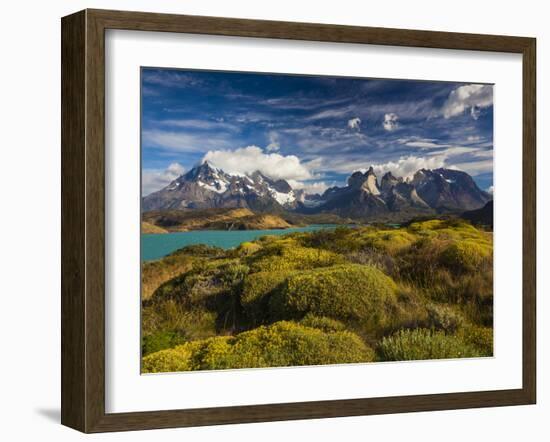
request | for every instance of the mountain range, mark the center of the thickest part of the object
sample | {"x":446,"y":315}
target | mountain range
{"x":364,"y":197}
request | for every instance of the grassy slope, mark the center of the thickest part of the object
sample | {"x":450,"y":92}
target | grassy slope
{"x":418,"y":292}
{"x":151,"y":228}
{"x":213,"y":219}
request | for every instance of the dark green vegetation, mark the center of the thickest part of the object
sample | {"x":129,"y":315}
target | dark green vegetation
{"x":361,"y":294}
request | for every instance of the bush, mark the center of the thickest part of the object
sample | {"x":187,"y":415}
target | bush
{"x":202,"y":286}
{"x":287,"y":255}
{"x":211,"y":288}
{"x":445,"y":318}
{"x":282,"y":344}
{"x":322,"y":323}
{"x":155,"y":273}
{"x":388,"y":241}
{"x":200,"y":250}
{"x":421,"y":343}
{"x":170,"y":316}
{"x":339,"y":240}
{"x":248,"y":248}
{"x":479,"y":337}
{"x":466,"y":255}
{"x":160,"y":341}
{"x":176,"y":359}
{"x":257,"y":289}
{"x":350,"y":291}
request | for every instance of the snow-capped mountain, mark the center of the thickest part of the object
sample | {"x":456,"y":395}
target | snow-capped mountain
{"x":364,"y":197}
{"x":206,"y":186}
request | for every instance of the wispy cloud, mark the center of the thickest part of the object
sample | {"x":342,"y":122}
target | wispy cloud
{"x":302,"y":103}
{"x":170,"y":78}
{"x":331,"y":125}
{"x":331,"y":113}
{"x":156,"y":179}
{"x":273,"y":142}
{"x":209,"y":125}
{"x":182,"y":141}
{"x":474,"y":168}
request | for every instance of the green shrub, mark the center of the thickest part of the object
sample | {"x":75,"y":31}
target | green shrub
{"x":233,"y":273}
{"x":349,"y":291}
{"x":200,"y":250}
{"x":339,"y":240}
{"x":160,"y":341}
{"x":432,"y":224}
{"x":175,"y":359}
{"x":248,"y":248}
{"x":445,"y":318}
{"x":282,"y":344}
{"x":212,"y":287}
{"x":411,"y":311}
{"x":388,"y":241}
{"x":322,"y":323}
{"x":287,"y":255}
{"x":257,"y":289}
{"x":411,"y":345}
{"x":202,"y":286}
{"x":466,"y":255}
{"x":479,"y":337}
{"x":170,"y":316}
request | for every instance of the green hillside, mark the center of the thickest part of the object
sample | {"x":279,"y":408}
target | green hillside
{"x":361,"y":294}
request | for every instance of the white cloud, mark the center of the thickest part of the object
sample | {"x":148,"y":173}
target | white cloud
{"x":249,"y":159}
{"x":407,"y":166}
{"x":456,"y":150}
{"x":354,"y":123}
{"x":331,"y":113}
{"x":200,"y":124}
{"x":309,"y":187}
{"x":390,"y":121}
{"x":475,"y":112}
{"x":425,"y":145}
{"x":490,"y":189}
{"x":474,"y":168}
{"x":472,"y":96}
{"x":273,"y":142}
{"x":182,"y":142}
{"x":171,"y":79}
{"x":156,"y":179}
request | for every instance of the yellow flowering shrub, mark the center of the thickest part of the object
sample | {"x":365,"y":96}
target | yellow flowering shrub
{"x":282,"y":344}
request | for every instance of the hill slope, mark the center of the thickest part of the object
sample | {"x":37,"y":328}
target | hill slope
{"x":212,"y":219}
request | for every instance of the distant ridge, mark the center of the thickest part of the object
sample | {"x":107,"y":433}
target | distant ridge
{"x":364,"y":197}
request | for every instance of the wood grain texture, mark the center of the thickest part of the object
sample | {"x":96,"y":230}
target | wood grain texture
{"x":73,"y":253}
{"x":83,"y":220}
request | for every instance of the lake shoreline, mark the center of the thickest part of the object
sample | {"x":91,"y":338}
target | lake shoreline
{"x":155,"y":246}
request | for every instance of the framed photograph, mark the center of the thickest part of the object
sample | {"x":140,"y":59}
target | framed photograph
{"x":268,"y":221}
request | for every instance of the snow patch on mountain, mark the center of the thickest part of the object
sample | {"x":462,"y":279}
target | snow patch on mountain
{"x":283,"y":198}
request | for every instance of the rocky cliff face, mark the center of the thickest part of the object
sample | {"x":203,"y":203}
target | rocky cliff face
{"x":206,"y":186}
{"x":428,"y":192}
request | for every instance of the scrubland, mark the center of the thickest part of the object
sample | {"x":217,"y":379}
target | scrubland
{"x":344,"y":295}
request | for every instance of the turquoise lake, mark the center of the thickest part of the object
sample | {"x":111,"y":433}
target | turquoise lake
{"x":155,"y":246}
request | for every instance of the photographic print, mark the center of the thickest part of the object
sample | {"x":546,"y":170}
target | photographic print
{"x":299,"y":220}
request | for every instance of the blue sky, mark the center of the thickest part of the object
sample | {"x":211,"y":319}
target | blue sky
{"x":313,"y":131}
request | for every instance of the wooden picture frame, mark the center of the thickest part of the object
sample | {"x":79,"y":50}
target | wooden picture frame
{"x":83,"y":220}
